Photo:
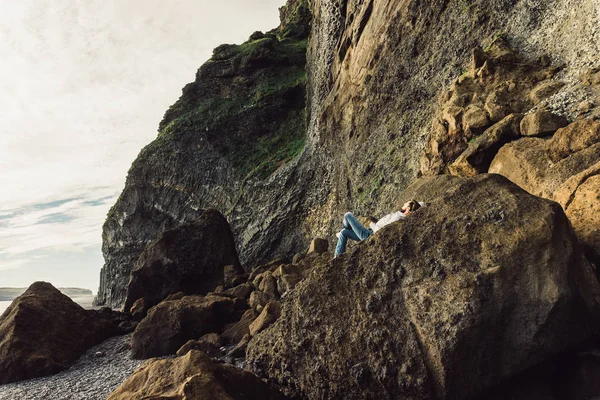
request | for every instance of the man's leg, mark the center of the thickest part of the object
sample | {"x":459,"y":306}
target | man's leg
{"x":345,"y":234}
{"x":361,"y":232}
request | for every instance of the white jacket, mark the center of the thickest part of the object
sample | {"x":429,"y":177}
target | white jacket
{"x":388,"y":219}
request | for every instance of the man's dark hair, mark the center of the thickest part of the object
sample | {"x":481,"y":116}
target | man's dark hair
{"x":413,"y":205}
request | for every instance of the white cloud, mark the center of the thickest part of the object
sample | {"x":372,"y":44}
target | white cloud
{"x":83,"y":85}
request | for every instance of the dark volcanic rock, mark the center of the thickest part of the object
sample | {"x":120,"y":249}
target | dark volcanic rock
{"x":169,"y":325}
{"x":463,"y":294}
{"x":193,"y":377}
{"x":242,"y":119}
{"x":44,"y":332}
{"x":190,"y":259}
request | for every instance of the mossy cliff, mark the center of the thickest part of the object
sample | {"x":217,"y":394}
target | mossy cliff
{"x":242,"y":119}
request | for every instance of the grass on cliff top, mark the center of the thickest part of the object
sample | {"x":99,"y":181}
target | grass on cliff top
{"x":257,"y":156}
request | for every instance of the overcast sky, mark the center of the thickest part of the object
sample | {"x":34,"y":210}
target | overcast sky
{"x":83,"y":86}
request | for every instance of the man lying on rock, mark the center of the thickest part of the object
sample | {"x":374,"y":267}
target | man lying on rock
{"x":352,"y":229}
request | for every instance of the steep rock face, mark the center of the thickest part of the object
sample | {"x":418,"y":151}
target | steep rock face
{"x":375,"y":71}
{"x":239,"y":121}
{"x":44,"y":332}
{"x":446,"y":303}
{"x":189,"y":259}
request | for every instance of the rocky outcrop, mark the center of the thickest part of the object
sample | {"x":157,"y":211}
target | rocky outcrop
{"x":467,"y":292}
{"x":193,"y":377}
{"x":190,"y":259}
{"x":242,"y":119}
{"x":172,"y":323}
{"x":369,"y":109}
{"x":44,"y":332}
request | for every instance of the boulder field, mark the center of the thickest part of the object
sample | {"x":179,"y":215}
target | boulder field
{"x":483,"y":283}
{"x":44,"y":332}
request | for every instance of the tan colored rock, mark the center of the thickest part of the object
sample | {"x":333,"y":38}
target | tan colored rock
{"x":485,"y":263}
{"x":526,"y":162}
{"x":542,"y":123}
{"x":544,"y":90}
{"x":193,"y":377}
{"x":580,"y":197}
{"x":577,"y":136}
{"x":268,"y":285}
{"x":234,"y":332}
{"x":287,"y":282}
{"x":258,"y":300}
{"x":496,"y":105}
{"x":242,"y":291}
{"x":318,"y":245}
{"x":475,"y":120}
{"x":270,"y":266}
{"x":267,"y":317}
{"x":139,"y":309}
{"x":207,"y":344}
{"x":480,"y":153}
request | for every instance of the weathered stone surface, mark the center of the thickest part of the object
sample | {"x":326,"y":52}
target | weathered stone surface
{"x":576,"y":137}
{"x":193,"y":377}
{"x":475,"y":120}
{"x":416,"y":312}
{"x":544,"y":90}
{"x":139,"y":309}
{"x":234,"y":332}
{"x":43,"y":332}
{"x":318,"y":245}
{"x":268,"y":285}
{"x":542,"y":123}
{"x":207,"y":344}
{"x":489,"y":94}
{"x":267,"y":317}
{"x":258,"y":300}
{"x":580,"y":197}
{"x":189,"y":258}
{"x":527,"y":163}
{"x":480,"y":153}
{"x":172,"y":323}
{"x":242,"y":291}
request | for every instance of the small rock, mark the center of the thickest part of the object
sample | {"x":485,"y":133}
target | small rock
{"x":542,"y":123}
{"x":318,"y":246}
{"x":267,"y":317}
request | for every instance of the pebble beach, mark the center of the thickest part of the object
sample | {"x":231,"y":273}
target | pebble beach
{"x":93,"y":377}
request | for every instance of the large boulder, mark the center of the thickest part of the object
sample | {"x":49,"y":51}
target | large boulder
{"x":575,"y":137}
{"x":193,"y":377}
{"x":44,"y":332}
{"x":463,"y":294}
{"x":190,"y":258}
{"x":172,"y":323}
{"x":580,"y":197}
{"x":528,"y":163}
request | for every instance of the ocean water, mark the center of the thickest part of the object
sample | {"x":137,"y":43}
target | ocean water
{"x":83,"y":301}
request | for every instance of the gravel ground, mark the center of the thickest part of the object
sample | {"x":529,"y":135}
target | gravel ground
{"x":91,"y":377}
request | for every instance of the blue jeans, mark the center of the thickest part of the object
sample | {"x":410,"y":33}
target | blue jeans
{"x":352,"y":230}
